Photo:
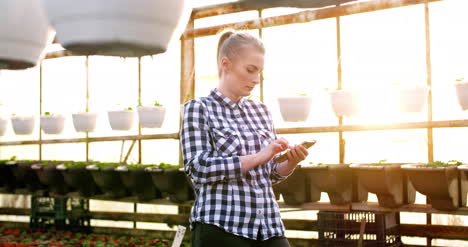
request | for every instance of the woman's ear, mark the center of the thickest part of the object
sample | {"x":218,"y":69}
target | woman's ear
{"x":225,"y":64}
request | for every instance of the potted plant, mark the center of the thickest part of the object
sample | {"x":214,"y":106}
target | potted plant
{"x":78,"y":177}
{"x":51,"y":177}
{"x":121,"y":119}
{"x":151,"y":116}
{"x":22,"y":125}
{"x":296,"y":189}
{"x":409,"y":98}
{"x":108,"y":179}
{"x":82,"y":30}
{"x":25,"y":33}
{"x":8,"y":181}
{"x":3,"y":126}
{"x":439,"y":182}
{"x":172,"y":181}
{"x":52,"y":123}
{"x":295,"y":108}
{"x":337,"y":180}
{"x":24,"y":174}
{"x":345,"y":102}
{"x":84,"y":121}
{"x":138,"y":181}
{"x":461,"y":86}
{"x":388,"y":181}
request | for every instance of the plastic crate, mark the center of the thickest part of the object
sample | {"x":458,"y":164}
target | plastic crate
{"x":343,"y":229}
{"x":59,"y":213}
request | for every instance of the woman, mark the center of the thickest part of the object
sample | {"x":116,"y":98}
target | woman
{"x":228,"y":145}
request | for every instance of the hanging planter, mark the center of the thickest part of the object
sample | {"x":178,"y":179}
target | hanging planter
{"x":51,"y":177}
{"x":24,"y":33}
{"x":172,"y":182}
{"x":387,"y":181}
{"x":410,"y":99}
{"x":338,"y":181}
{"x":151,"y":116}
{"x":3,"y":126}
{"x":439,"y":182}
{"x":127,"y":28}
{"x":296,"y":189}
{"x":121,"y":120}
{"x":345,"y":102}
{"x":108,"y":179}
{"x":79,"y":178}
{"x":23,"y":125}
{"x":52,"y":124}
{"x":462,"y":93}
{"x":295,"y":108}
{"x":84,"y":121}
{"x":138,"y":182}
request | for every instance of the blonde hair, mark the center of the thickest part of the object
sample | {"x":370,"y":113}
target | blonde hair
{"x":230,"y":43}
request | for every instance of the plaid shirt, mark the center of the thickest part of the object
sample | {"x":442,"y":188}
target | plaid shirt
{"x":215,"y":132}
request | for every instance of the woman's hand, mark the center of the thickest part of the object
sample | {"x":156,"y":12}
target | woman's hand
{"x":265,"y":155}
{"x":297,"y":154}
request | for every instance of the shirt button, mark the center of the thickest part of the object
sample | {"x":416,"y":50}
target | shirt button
{"x":259,"y":211}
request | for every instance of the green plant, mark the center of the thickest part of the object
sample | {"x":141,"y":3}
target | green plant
{"x":139,"y":166}
{"x":47,"y":113}
{"x":460,"y":79}
{"x":74,"y":164}
{"x":438,"y":163}
{"x":156,"y":103}
{"x":129,"y":108}
{"x":380,"y":163}
{"x":102,"y":165}
{"x":163,"y":165}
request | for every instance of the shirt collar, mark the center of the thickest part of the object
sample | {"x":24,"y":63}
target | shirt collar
{"x":217,"y":95}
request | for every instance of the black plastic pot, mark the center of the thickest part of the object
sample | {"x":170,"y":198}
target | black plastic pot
{"x":8,"y":181}
{"x":388,"y":182}
{"x":24,"y":174}
{"x":173,"y":183}
{"x":439,"y":184}
{"x":296,"y":189}
{"x":139,"y":183}
{"x":338,"y":181}
{"x":51,"y":177}
{"x":109,"y":181}
{"x":80,"y":179}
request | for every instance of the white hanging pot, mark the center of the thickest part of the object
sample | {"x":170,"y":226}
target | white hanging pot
{"x":345,"y":102}
{"x":23,"y":125}
{"x":52,"y":124}
{"x":410,"y":99}
{"x":3,"y":126}
{"x":151,"y":116}
{"x":462,"y":93}
{"x":121,"y":120}
{"x":24,"y":33}
{"x":84,"y":121}
{"x":124,"y":28}
{"x":295,"y":108}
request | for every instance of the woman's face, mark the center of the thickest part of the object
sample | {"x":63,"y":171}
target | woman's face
{"x":242,"y":73}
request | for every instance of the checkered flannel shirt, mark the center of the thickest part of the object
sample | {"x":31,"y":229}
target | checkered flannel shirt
{"x":215,"y":132}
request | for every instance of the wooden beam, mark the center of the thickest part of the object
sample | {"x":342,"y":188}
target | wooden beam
{"x":304,"y":16}
{"x":218,"y":9}
{"x":187,"y":70}
{"x":434,"y":231}
{"x":411,"y":208}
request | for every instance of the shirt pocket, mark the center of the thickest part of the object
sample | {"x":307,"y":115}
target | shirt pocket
{"x":226,"y":141}
{"x":264,"y":137}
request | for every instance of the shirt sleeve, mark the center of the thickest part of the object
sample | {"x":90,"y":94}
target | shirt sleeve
{"x":274,"y":174}
{"x":200,"y":160}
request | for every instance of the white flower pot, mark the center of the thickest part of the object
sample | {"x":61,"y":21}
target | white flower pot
{"x":345,"y":103}
{"x":410,"y":99}
{"x":3,"y":126}
{"x":116,"y":28}
{"x":24,"y":33}
{"x":23,"y":125}
{"x":52,"y":125}
{"x":84,"y":121}
{"x":295,"y":108}
{"x":121,"y":120}
{"x":151,"y":116}
{"x":462,"y":94}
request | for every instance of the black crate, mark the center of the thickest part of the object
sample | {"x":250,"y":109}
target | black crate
{"x":343,"y":229}
{"x":59,"y":213}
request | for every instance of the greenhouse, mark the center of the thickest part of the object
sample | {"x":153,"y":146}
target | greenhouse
{"x":233,"y":123}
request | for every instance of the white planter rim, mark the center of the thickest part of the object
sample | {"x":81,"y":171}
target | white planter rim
{"x":419,"y":167}
{"x":463,"y":167}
